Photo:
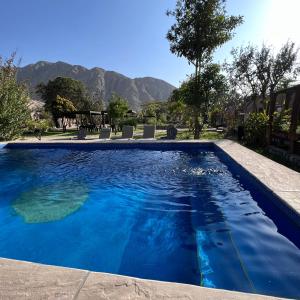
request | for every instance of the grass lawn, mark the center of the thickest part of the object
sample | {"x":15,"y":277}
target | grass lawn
{"x":183,"y":134}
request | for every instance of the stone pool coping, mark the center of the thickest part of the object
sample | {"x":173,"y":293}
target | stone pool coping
{"x":283,"y":182}
{"x":19,"y":279}
{"x":26,"y":280}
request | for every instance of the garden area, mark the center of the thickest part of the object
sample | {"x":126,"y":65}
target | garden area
{"x":253,"y":97}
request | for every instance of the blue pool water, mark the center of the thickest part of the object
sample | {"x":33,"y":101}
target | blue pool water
{"x":182,"y":216}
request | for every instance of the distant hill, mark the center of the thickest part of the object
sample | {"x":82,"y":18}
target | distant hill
{"x":98,"y":82}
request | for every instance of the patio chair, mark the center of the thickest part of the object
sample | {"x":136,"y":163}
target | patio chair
{"x":149,"y":132}
{"x":127,"y":132}
{"x":81,"y":134}
{"x":105,"y":134}
{"x":171,"y":132}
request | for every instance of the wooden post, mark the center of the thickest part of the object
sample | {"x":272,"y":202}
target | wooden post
{"x":294,"y":120}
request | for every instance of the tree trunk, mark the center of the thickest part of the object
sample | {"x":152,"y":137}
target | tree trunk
{"x":196,"y":114}
{"x":197,"y":126}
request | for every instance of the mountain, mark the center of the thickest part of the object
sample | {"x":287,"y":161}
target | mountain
{"x":98,"y":82}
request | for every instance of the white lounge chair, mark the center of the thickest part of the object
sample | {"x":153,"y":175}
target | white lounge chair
{"x":127,"y":132}
{"x":105,"y":134}
{"x":149,"y":132}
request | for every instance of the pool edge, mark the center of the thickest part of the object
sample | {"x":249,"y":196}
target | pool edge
{"x":286,"y":195}
{"x":86,"y":289}
{"x":20,"y":279}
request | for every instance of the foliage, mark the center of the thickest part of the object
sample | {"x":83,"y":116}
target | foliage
{"x":14,"y":100}
{"x":131,"y":122}
{"x":96,"y":102}
{"x":228,"y":107}
{"x":211,"y":86}
{"x":282,"y":120}
{"x":177,"y":111}
{"x":42,"y":125}
{"x":258,"y":71}
{"x":201,"y":26}
{"x":255,"y":129}
{"x":97,"y":105}
{"x":117,"y":108}
{"x":67,"y":88}
{"x":155,"y":112}
{"x":61,"y":106}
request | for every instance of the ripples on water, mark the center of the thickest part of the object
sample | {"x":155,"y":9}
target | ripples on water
{"x":169,"y":215}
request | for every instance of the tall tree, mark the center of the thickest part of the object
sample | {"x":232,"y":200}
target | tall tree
{"x":242,"y":72}
{"x":117,"y":108}
{"x":155,"y":109}
{"x":260,"y":72}
{"x":14,"y":101}
{"x":68,"y":88}
{"x":211,"y":87}
{"x":201,"y":26}
{"x":61,"y":107}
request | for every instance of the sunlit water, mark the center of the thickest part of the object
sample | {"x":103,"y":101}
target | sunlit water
{"x":172,"y":215}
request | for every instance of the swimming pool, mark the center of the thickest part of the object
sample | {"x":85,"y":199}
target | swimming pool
{"x":182,"y":215}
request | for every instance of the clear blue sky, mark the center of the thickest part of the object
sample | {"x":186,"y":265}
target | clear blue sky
{"x":127,"y":36}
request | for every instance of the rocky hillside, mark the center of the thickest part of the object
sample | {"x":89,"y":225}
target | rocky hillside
{"x":98,"y":82}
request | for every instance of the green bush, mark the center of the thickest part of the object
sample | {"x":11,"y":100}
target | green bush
{"x":151,"y":121}
{"x":282,"y":120}
{"x":14,"y":101}
{"x":131,"y":122}
{"x":41,"y":125}
{"x":256,"y":129}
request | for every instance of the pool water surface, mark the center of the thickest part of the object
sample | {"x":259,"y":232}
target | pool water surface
{"x":181,"y":216}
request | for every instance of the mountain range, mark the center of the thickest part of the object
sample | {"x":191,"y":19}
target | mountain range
{"x":98,"y":82}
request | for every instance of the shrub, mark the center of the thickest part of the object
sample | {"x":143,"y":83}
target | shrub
{"x":255,"y":129}
{"x":41,"y":125}
{"x":282,"y":120}
{"x":14,"y":111}
{"x":131,"y":122}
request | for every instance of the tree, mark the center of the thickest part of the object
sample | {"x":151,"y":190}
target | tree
{"x":211,"y":85}
{"x":264,"y":73}
{"x":156,"y":110}
{"x":260,"y":72}
{"x":96,"y":102}
{"x":61,"y":107}
{"x":117,"y":108}
{"x":14,"y":101}
{"x":242,"y":72}
{"x":228,"y":106}
{"x":201,"y":26}
{"x":68,"y":88}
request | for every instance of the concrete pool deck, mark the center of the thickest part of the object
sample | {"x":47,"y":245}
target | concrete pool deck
{"x":25,"y":280}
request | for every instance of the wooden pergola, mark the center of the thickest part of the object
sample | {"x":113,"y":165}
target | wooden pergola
{"x":87,"y":118}
{"x":290,"y":139}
